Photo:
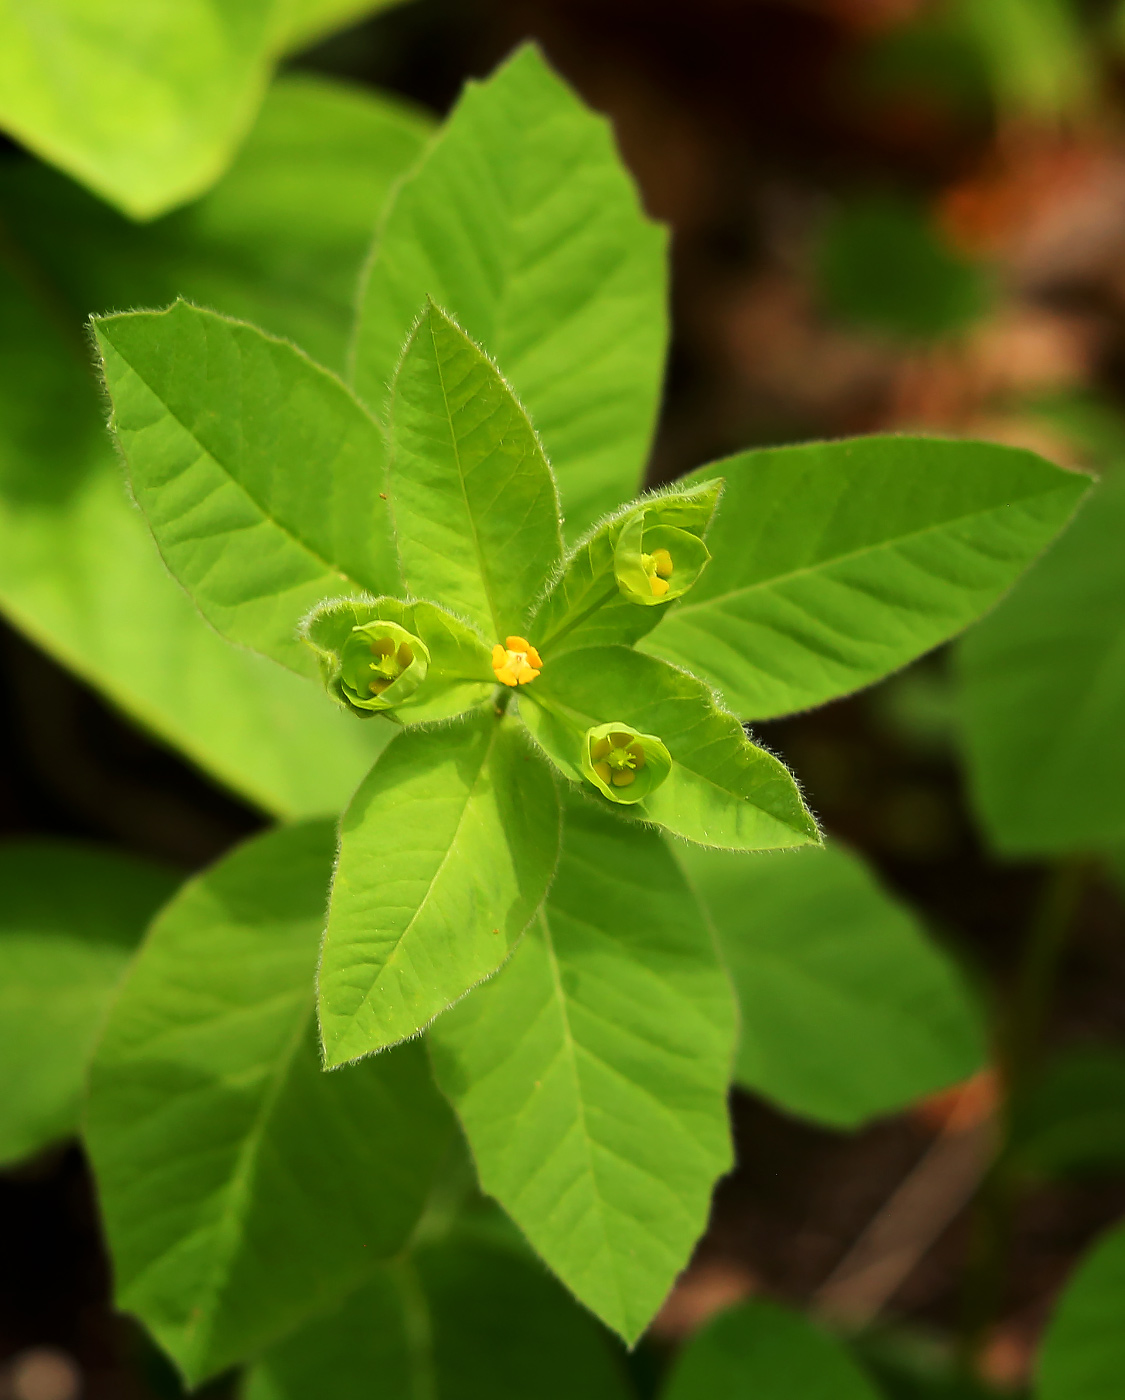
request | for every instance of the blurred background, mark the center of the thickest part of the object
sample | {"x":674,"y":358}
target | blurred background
{"x":886,"y":215}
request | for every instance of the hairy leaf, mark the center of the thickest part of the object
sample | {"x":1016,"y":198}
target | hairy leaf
{"x":759,"y":1351}
{"x":446,"y":852}
{"x":523,"y":225}
{"x":243,"y":1190}
{"x":585,"y":605}
{"x":590,"y":1076}
{"x":259,"y":475}
{"x":723,"y":790}
{"x":836,"y":563}
{"x":1043,"y":694}
{"x":474,"y":500}
{"x":461,"y":1319}
{"x":1083,"y":1353}
{"x":69,"y":917}
{"x":848,"y":1011}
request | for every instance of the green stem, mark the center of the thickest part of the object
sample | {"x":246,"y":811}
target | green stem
{"x":1019,"y":1055}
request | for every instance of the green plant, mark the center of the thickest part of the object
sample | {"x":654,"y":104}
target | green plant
{"x":547,"y":867}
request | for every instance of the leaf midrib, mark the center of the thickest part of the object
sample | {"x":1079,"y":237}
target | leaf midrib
{"x":262,"y":510}
{"x":478,"y":551}
{"x":227,"y":1230}
{"x":470,"y":792}
{"x":825,"y":564}
{"x":569,"y":1051}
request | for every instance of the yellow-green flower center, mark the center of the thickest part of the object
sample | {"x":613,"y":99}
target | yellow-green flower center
{"x":616,"y":759}
{"x":388,"y":664}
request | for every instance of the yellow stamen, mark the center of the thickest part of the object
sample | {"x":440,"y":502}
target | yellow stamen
{"x":516,"y":663}
{"x":662,"y":561}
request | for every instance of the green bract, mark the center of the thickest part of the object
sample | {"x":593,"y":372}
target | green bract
{"x":656,"y":563}
{"x":622,"y":763}
{"x":503,"y":877}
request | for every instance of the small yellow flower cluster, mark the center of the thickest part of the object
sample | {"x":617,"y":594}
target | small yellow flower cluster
{"x":389,"y":663}
{"x":517,"y":662}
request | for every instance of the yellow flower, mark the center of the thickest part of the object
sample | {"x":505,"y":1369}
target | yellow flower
{"x":616,"y":758}
{"x":517,"y":662}
{"x":658,"y":567}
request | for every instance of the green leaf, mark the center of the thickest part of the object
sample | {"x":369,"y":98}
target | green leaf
{"x":522,"y":223}
{"x":759,"y":1351}
{"x":586,"y":606}
{"x":258,"y":473}
{"x":723,"y":790}
{"x":145,"y":104}
{"x":836,"y":563}
{"x":1043,"y":694}
{"x":591,"y":1075}
{"x":475,"y":504}
{"x":848,"y":1011}
{"x":883,"y":264}
{"x":279,"y":241}
{"x":281,"y":237}
{"x":1072,"y":1122}
{"x":446,"y":852}
{"x":459,"y":1320}
{"x":1083,"y":1354}
{"x":458,"y":664}
{"x":242,"y":1189}
{"x":69,"y":917}
{"x":299,"y":23}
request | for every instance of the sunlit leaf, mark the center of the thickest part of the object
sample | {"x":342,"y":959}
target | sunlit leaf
{"x":242,"y":1189}
{"x":522,"y":223}
{"x":258,"y":473}
{"x":836,"y":563}
{"x":590,"y":1076}
{"x":446,"y":852}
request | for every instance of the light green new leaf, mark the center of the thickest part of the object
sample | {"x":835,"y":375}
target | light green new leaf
{"x":143,"y":103}
{"x":459,"y":674}
{"x":759,"y":1351}
{"x":1043,"y":694}
{"x":446,"y":852}
{"x":69,"y":917}
{"x":836,"y":563}
{"x":723,"y":790}
{"x":523,"y":224}
{"x":1083,"y":1353}
{"x":585,"y":605}
{"x":281,"y":240}
{"x":458,"y":1320}
{"x":243,"y":1190}
{"x":260,"y":476}
{"x":848,"y":1011}
{"x":591,"y":1075}
{"x":474,"y":500}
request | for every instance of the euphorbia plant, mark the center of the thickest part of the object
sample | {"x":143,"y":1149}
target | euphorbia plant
{"x":533,"y":869}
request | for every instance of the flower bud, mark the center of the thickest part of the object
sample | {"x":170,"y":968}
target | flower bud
{"x":656,"y":563}
{"x":381,"y":665}
{"x":624,"y":764}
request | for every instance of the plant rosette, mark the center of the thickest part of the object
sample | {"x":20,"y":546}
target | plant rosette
{"x":655,"y":563}
{"x":624,"y":764}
